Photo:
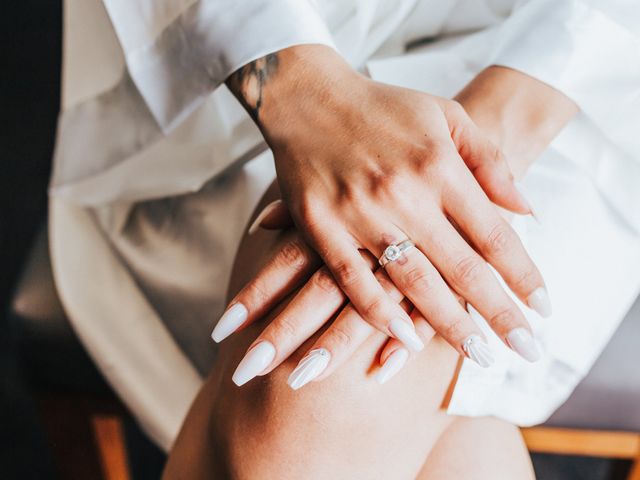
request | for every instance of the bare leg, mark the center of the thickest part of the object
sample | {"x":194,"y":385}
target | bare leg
{"x":477,"y":449}
{"x":346,"y":426}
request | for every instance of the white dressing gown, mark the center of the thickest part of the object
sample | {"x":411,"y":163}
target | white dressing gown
{"x":157,"y":171}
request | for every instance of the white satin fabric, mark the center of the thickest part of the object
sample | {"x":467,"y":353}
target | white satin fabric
{"x":155,"y":166}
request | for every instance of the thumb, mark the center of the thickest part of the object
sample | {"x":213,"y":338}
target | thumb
{"x":488,"y":165}
{"x":274,"y":216}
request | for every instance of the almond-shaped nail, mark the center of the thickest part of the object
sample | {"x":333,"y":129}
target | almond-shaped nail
{"x":478,"y":351}
{"x":230,"y":321}
{"x":523,"y":197}
{"x":392,"y":365}
{"x":406,"y":333}
{"x":262,"y":215}
{"x":255,"y":361}
{"x":522,"y":342}
{"x":540,"y":302}
{"x":311,"y":365}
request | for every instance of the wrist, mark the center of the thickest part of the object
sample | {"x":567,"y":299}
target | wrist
{"x":520,"y":114}
{"x":284,"y":88}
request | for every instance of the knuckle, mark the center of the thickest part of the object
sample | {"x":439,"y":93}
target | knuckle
{"x":387,"y":185}
{"x":418,"y":280}
{"x":527,"y":280}
{"x":341,"y":336}
{"x":256,"y":294}
{"x":505,"y":318}
{"x":372,"y":307}
{"x":456,"y":108}
{"x":420,"y":156}
{"x":466,"y":271}
{"x":294,"y":255}
{"x":444,"y":169}
{"x":346,"y":274}
{"x":325,"y":281}
{"x":357,"y":198}
{"x":285,"y":328}
{"x":499,"y":239}
{"x":452,"y":330}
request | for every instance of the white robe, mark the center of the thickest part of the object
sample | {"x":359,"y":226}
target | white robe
{"x":154,"y":165}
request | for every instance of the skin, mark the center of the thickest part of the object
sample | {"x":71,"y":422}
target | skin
{"x":345,"y":427}
{"x":348,"y":426}
{"x":410,"y":172}
{"x":515,"y":111}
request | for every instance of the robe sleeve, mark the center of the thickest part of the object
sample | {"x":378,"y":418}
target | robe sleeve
{"x":177,"y":52}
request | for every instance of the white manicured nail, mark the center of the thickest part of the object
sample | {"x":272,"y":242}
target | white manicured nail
{"x":262,"y":215}
{"x":312,"y":365}
{"x":254,"y":362}
{"x":523,"y":197}
{"x":478,"y":351}
{"x":392,"y":365}
{"x":521,"y":341}
{"x":540,"y":302}
{"x":406,"y":333}
{"x":232,"y":319}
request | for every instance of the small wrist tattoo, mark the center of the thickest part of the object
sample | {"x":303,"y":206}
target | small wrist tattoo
{"x":248,"y":82}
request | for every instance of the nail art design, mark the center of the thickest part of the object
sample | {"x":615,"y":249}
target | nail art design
{"x":262,"y":215}
{"x":312,"y":365}
{"x":256,"y":360}
{"x":232,"y":319}
{"x":540,"y":302}
{"x":406,"y":333}
{"x":478,"y":351}
{"x":392,"y":365}
{"x":521,"y":341}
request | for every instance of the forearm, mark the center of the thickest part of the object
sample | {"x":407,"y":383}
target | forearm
{"x":519,"y":113}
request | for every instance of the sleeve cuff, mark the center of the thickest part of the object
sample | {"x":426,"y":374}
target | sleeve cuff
{"x":205,"y":43}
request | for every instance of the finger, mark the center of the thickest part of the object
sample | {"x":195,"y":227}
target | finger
{"x":338,"y":343}
{"x":394,"y":356}
{"x":487,"y":163}
{"x":499,"y":244}
{"x":313,"y":306}
{"x":417,"y":278}
{"x":364,"y":291}
{"x":274,"y":216}
{"x":283,"y":273}
{"x":469,"y":275}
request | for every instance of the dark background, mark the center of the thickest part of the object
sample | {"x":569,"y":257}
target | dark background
{"x":31,"y":47}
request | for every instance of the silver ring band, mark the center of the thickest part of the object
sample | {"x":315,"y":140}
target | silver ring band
{"x":394,"y":251}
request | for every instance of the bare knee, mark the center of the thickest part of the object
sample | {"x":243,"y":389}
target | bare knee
{"x":346,"y":420}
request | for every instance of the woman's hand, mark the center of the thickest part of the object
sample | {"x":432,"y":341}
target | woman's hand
{"x":363,"y":165}
{"x":512,"y":120}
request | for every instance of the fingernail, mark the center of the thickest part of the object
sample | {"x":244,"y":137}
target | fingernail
{"x":262,"y":215}
{"x":406,"y":333}
{"x":392,"y":365}
{"x":523,"y":197}
{"x":540,"y":302}
{"x":521,"y":341}
{"x":229,"y":322}
{"x":254,"y":362}
{"x":312,"y":365}
{"x":478,"y":351}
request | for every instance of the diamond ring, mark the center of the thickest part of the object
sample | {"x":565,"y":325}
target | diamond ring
{"x":394,"y":251}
